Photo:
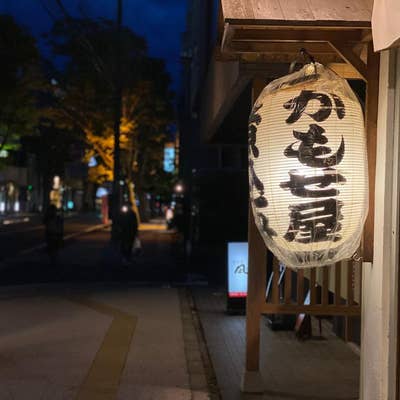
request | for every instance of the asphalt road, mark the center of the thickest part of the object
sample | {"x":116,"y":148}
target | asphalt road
{"x":91,"y":258}
{"x":15,"y":238}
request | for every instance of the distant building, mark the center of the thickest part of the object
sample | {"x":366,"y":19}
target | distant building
{"x":213,"y":172}
{"x":222,"y":79}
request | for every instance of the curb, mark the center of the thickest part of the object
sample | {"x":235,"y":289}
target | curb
{"x":201,"y":379}
{"x":23,"y":218}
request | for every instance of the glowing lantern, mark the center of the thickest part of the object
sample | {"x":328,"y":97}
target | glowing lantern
{"x":308,"y":168}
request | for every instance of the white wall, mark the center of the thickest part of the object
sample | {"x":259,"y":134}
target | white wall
{"x":379,"y":305}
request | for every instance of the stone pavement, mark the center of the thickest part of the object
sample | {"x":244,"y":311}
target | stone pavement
{"x":98,"y":342}
{"x":325,"y":369}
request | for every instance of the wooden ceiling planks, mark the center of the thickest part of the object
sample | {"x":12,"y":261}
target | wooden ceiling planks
{"x":337,"y":10}
{"x":267,"y":9}
{"x":237,"y":9}
{"x":298,"y":12}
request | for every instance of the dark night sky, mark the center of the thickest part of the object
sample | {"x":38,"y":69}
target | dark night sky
{"x":161,"y":22}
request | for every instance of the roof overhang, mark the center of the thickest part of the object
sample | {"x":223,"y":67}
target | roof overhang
{"x":273,"y":31}
{"x":260,"y":36}
{"x":289,"y":13}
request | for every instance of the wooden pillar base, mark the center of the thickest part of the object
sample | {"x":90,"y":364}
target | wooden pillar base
{"x":252,"y":382}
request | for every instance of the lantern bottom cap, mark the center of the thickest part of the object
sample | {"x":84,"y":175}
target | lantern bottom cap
{"x":252,"y":382}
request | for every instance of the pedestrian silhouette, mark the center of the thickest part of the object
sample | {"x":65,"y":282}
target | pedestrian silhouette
{"x":54,"y":231}
{"x":128,"y":226}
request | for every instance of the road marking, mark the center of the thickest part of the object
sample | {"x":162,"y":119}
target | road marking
{"x":152,"y":227}
{"x":103,"y":378}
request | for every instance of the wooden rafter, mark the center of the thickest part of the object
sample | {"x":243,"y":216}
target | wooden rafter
{"x":348,"y":55}
{"x":336,"y":46}
{"x":295,"y":34}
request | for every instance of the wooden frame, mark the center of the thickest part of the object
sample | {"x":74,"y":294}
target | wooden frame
{"x":258,"y":35}
{"x":256,"y":301}
{"x":329,"y":44}
{"x":397,"y":395}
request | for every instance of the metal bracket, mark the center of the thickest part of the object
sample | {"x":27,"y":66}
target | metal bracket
{"x":303,"y":56}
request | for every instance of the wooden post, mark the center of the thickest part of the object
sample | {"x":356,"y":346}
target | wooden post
{"x":256,"y":286}
{"x":371,"y":113}
{"x":252,"y":382}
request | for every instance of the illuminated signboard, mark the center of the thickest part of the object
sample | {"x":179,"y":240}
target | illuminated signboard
{"x":237,"y":269}
{"x":169,"y":158}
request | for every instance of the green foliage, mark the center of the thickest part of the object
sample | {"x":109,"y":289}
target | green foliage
{"x":19,"y":81}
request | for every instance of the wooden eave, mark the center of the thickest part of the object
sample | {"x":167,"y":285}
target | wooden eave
{"x":334,"y":13}
{"x":266,"y":30}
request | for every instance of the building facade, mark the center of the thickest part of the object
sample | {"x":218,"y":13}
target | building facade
{"x":256,"y":44}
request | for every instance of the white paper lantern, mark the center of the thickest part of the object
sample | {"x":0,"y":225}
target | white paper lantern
{"x":308,"y":167}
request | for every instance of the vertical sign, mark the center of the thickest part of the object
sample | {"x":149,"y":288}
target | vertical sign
{"x":169,"y":157}
{"x":237,"y":269}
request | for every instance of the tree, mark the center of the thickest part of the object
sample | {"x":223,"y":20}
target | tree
{"x":19,"y":81}
{"x":86,"y":99}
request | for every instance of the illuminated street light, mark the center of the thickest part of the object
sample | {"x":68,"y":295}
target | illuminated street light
{"x":178,"y":188}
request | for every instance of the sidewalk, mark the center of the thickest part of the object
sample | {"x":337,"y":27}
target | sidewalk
{"x":97,"y":330}
{"x":100,"y":342}
{"x":107,"y":332}
{"x":318,"y":369}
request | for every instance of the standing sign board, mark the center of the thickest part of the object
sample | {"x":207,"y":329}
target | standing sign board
{"x":237,"y":275}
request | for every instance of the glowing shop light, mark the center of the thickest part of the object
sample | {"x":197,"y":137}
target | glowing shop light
{"x":308,"y":168}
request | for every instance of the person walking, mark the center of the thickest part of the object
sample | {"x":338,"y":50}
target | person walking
{"x":169,"y":216}
{"x":54,"y":231}
{"x":128,"y":228}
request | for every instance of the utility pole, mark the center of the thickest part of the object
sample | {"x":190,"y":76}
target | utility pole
{"x":117,"y":125}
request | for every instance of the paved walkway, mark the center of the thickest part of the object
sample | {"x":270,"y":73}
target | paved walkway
{"x":98,"y":330}
{"x":292,"y":370}
{"x":134,"y":336}
{"x":100,"y":342}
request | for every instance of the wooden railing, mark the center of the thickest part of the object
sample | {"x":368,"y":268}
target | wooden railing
{"x":313,"y":292}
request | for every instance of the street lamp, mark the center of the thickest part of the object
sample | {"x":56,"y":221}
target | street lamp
{"x":178,"y":188}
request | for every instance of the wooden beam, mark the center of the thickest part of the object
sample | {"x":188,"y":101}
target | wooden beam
{"x":313,"y":287}
{"x":297,"y":35}
{"x":279,"y":47}
{"x":256,"y":284}
{"x":275,"y":281}
{"x":285,"y":58}
{"x":346,"y":52}
{"x":338,"y":283}
{"x":300,"y":286}
{"x":325,"y":286}
{"x":397,"y":396}
{"x":300,"y":28}
{"x":371,"y":117}
{"x":288,"y":286}
{"x":317,"y":309}
{"x":345,"y":70}
{"x":300,"y":24}
{"x":255,"y":294}
{"x":227,"y":36}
